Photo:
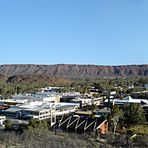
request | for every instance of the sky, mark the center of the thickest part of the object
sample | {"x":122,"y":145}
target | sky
{"x":100,"y":32}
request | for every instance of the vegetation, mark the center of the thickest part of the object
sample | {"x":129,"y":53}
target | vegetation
{"x":134,"y":115}
{"x":115,"y":118}
{"x":8,"y":125}
{"x":125,"y":140}
{"x":128,"y":118}
{"x":140,"y":129}
{"x":45,"y":139}
{"x":20,"y":84}
{"x":37,"y":135}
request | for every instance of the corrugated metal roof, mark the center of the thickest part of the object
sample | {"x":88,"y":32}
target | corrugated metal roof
{"x":12,"y":109}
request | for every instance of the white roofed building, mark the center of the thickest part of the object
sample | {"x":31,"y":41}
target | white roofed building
{"x":39,"y":110}
{"x":44,"y":97}
{"x":126,"y":100}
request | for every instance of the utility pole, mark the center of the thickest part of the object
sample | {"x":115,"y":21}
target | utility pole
{"x":108,"y":97}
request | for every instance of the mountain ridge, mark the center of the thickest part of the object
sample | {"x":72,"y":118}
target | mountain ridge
{"x":74,"y":70}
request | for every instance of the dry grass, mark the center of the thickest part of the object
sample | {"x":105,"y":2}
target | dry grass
{"x":140,"y":129}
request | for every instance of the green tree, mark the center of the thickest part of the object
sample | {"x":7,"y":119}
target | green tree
{"x":37,"y":126}
{"x":115,"y":117}
{"x":134,"y":115}
{"x":8,"y":125}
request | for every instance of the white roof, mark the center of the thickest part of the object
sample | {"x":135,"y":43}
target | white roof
{"x":39,"y":106}
{"x":145,"y":101}
{"x":127,"y":99}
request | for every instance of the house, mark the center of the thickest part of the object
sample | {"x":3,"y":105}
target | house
{"x":82,"y":124}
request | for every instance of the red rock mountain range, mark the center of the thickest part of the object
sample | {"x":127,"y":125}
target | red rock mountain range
{"x":75,"y":71}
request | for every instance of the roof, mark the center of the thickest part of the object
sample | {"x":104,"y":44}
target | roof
{"x":36,"y":109}
{"x":127,"y":99}
{"x":3,"y":107}
{"x":36,"y":96}
{"x":65,"y":106}
{"x":84,"y":112}
{"x":41,"y":106}
{"x":104,"y":110}
{"x":144,"y":102}
{"x":12,"y":109}
{"x":80,"y":124}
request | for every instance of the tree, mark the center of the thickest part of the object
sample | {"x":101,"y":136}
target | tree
{"x":115,"y":117}
{"x":8,"y":125}
{"x":134,"y":115}
{"x":37,"y":126}
{"x":98,"y":86}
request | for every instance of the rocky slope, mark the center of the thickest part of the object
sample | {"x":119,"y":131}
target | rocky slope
{"x":39,"y":79}
{"x":75,"y":71}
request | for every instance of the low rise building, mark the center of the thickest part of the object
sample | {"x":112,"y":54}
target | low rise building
{"x":102,"y":112}
{"x":84,"y":100}
{"x":126,"y":100}
{"x":39,"y":110}
{"x":82,"y":124}
{"x":43,"y":97}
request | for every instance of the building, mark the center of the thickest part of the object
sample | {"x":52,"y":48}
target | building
{"x":85,"y":100}
{"x":102,"y":112}
{"x":43,"y":97}
{"x":39,"y":110}
{"x":13,"y":112}
{"x":50,"y":89}
{"x":35,"y":113}
{"x":82,"y":124}
{"x":126,"y":100}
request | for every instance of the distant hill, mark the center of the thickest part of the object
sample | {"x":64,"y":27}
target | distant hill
{"x":39,"y":79}
{"x":74,"y":71}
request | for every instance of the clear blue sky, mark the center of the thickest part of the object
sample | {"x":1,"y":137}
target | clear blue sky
{"x":102,"y":32}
